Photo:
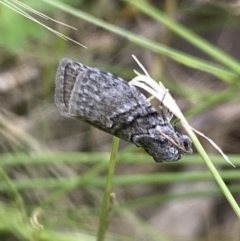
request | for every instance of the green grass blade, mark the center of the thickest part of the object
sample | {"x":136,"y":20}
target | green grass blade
{"x":187,"y":34}
{"x":214,"y":172}
{"x":178,"y":56}
{"x":103,"y":220}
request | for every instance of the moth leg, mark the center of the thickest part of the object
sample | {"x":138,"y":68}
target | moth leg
{"x":167,"y":115}
{"x":175,"y":123}
{"x":138,"y":140}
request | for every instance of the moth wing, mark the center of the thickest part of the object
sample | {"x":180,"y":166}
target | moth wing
{"x":96,"y":96}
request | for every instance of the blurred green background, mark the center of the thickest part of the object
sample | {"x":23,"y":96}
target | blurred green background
{"x":53,"y":169}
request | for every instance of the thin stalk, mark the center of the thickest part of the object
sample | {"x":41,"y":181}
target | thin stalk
{"x":103,"y":220}
{"x":214,"y":172}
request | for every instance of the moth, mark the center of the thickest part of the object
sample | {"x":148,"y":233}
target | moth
{"x":112,"y":105}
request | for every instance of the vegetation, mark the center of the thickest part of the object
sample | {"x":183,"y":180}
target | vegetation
{"x":53,"y":170}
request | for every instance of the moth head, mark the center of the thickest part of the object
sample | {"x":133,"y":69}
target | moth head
{"x":186,"y":143}
{"x":164,"y":144}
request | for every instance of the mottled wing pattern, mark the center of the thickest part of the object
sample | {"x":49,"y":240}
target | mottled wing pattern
{"x":112,"y":105}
